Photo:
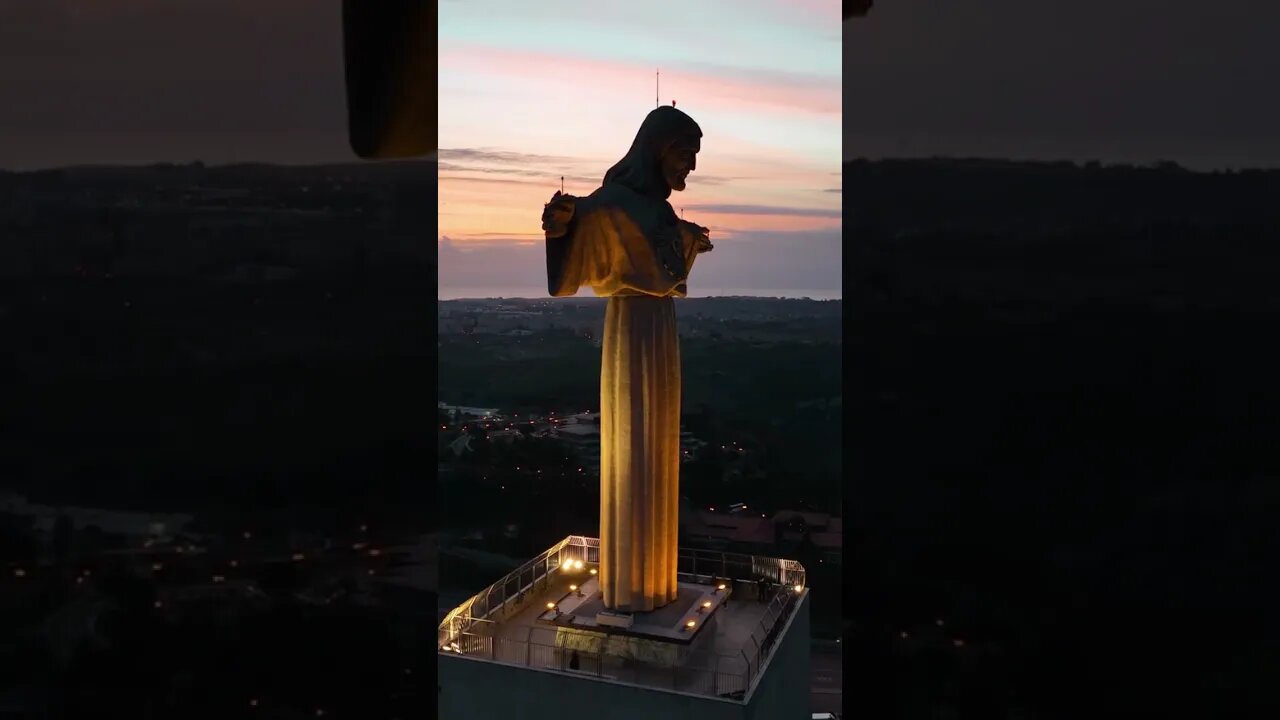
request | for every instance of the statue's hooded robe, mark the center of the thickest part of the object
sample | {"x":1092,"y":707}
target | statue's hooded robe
{"x":626,"y":243}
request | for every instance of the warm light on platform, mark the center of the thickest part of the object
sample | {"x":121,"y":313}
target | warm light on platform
{"x":594,"y":571}
{"x":720,"y":587}
{"x":691,"y":624}
{"x":799,"y":588}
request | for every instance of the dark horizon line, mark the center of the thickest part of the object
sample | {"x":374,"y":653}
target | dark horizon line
{"x":354,"y":162}
{"x":700,"y":297}
{"x":1083,"y":164}
{"x":1077,"y":164}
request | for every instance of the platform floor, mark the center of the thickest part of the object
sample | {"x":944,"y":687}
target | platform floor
{"x":715,"y":664}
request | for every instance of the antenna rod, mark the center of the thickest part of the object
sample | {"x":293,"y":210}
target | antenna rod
{"x":561,"y":184}
{"x":656,"y":101}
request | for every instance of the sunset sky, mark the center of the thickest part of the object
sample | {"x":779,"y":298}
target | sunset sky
{"x":530,"y":92}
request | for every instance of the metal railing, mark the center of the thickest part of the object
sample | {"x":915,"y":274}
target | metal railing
{"x":504,"y":597}
{"x":700,"y":674}
{"x":468,"y":628}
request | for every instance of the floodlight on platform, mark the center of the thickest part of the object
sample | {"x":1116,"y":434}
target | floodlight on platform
{"x":691,"y":624}
{"x":720,"y":587}
{"x":594,"y":571}
{"x":706,"y":605}
{"x":799,"y":588}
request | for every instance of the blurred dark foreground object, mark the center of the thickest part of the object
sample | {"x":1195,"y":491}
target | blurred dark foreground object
{"x":389,"y":48}
{"x":856,"y":8}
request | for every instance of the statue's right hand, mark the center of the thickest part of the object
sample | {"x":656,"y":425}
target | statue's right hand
{"x":557,"y":214}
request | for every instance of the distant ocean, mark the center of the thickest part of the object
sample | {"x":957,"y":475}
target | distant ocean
{"x":460,"y":293}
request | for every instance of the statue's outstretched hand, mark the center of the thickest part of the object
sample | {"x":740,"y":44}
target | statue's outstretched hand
{"x":701,"y":236}
{"x":557,"y":214}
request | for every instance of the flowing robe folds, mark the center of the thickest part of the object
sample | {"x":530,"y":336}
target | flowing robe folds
{"x":633,"y":249}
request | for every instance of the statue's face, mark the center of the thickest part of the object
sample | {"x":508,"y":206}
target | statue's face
{"x":680,"y":160}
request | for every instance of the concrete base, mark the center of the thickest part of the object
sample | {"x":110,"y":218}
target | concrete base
{"x":663,"y":636}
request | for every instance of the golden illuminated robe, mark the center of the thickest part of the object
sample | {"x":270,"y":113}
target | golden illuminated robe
{"x":632,"y":248}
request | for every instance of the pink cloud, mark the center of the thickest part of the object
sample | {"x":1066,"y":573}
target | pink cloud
{"x":728,"y":90}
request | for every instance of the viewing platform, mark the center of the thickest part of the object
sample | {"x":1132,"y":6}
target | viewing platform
{"x":715,"y":641}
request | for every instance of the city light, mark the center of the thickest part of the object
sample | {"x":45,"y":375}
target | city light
{"x":720,"y":587}
{"x":691,"y":624}
{"x":19,"y":572}
{"x":594,"y":571}
{"x":299,"y":557}
{"x":799,"y":588}
{"x":706,"y":605}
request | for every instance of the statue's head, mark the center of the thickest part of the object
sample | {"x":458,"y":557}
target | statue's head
{"x":680,"y":159}
{"x":663,"y":154}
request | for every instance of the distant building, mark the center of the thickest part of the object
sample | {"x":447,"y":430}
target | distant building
{"x":584,"y":439}
{"x":461,"y":445}
{"x":111,"y":522}
{"x":690,"y":446}
{"x":745,"y":532}
{"x":465,"y":411}
{"x":505,"y":436}
{"x":824,"y":531}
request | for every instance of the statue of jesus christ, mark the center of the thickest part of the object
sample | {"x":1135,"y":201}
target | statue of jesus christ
{"x":626,"y":243}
